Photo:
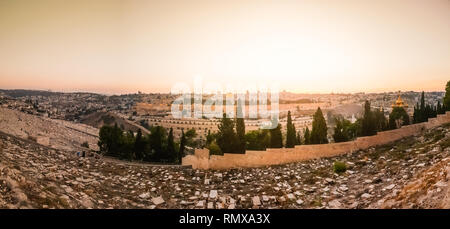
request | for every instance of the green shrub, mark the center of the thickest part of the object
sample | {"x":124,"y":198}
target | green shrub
{"x":339,"y":167}
{"x":214,"y":149}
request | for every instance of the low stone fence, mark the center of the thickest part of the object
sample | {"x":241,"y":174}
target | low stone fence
{"x":202,"y":160}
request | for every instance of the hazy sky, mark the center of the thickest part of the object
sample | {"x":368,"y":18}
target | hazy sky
{"x":306,"y":46}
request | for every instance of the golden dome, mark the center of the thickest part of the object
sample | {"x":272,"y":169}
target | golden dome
{"x":399,"y":102}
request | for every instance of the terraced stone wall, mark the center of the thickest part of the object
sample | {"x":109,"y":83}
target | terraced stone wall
{"x":202,"y":160}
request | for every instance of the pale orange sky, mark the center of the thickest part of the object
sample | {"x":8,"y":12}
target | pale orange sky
{"x":306,"y":46}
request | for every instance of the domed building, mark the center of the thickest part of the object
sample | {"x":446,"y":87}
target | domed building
{"x":399,"y":102}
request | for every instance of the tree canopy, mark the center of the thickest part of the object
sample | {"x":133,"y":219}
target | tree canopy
{"x":158,"y":146}
{"x":368,"y":124}
{"x":398,"y":118}
{"x":290,"y":133}
{"x":344,"y":130}
{"x":446,"y":101}
{"x":226,"y":136}
{"x":276,"y":138}
{"x":240,"y":131}
{"x":319,"y":128}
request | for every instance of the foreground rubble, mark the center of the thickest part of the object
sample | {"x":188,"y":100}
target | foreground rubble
{"x":412,"y":173}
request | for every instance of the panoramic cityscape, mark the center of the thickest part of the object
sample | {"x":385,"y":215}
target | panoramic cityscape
{"x":225,"y":105}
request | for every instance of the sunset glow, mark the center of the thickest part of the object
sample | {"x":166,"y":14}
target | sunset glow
{"x":306,"y":46}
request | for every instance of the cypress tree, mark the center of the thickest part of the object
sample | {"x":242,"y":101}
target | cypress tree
{"x":307,"y":136}
{"x":276,"y":138}
{"x":111,"y":140}
{"x":384,"y":121}
{"x":368,"y":127}
{"x":181,"y":153}
{"x":381,"y":123}
{"x":423,"y":109}
{"x":117,"y":136}
{"x":298,"y":139}
{"x":446,"y":101}
{"x":290,"y":133}
{"x":157,"y":139}
{"x":438,"y":107}
{"x":319,"y":128}
{"x":105,"y":139}
{"x":126,"y":146}
{"x":240,"y":131}
{"x":226,"y":136}
{"x":139,"y":145}
{"x":170,"y":150}
{"x":416,"y":114}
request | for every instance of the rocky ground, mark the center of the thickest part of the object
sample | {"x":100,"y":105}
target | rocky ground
{"x":411,"y":173}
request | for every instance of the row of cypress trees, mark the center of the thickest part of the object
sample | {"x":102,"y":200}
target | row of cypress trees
{"x":158,"y":146}
{"x":424,"y":111}
{"x":231,"y":136}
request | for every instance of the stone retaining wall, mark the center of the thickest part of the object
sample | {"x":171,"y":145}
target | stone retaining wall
{"x":202,"y":160}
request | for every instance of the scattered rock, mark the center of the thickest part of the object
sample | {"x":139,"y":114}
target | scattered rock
{"x":158,"y":200}
{"x":213,"y":194}
{"x":390,"y":187}
{"x":366,"y":196}
{"x":334,"y":204}
{"x":144,"y":195}
{"x":256,"y":201}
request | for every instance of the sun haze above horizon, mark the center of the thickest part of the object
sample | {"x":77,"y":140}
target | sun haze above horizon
{"x":305,"y":46}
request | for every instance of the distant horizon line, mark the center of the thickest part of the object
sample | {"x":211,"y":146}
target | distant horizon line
{"x":142,"y":92}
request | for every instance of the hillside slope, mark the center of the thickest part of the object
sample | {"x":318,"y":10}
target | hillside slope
{"x":58,"y":134}
{"x":98,"y":119}
{"x":391,"y":176}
